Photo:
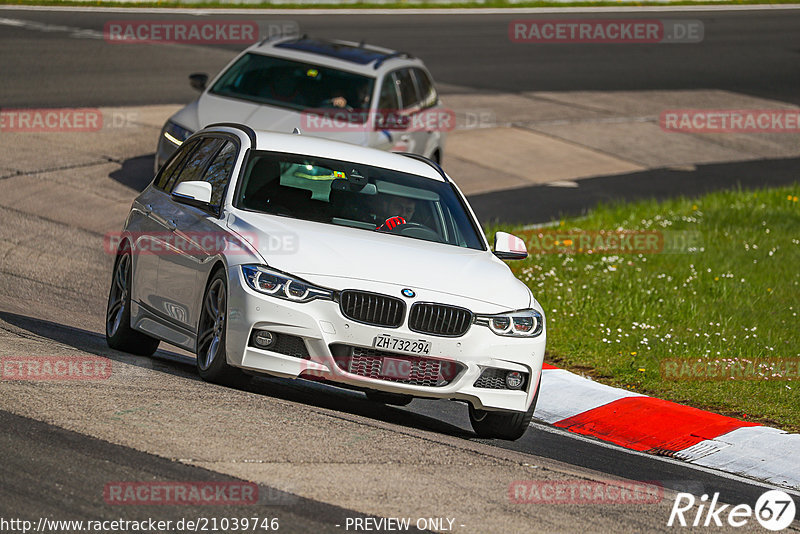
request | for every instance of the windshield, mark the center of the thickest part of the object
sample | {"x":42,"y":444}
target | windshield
{"x":292,"y":84}
{"x":359,"y":196}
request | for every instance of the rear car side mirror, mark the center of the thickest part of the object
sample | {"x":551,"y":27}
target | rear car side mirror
{"x":509,"y":247}
{"x":194,"y":193}
{"x":198,"y":81}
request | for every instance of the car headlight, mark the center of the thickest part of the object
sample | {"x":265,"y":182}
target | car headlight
{"x":520,"y":323}
{"x":282,"y":285}
{"x":176,"y":134}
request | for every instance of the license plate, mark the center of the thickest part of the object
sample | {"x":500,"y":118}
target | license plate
{"x":399,"y":344}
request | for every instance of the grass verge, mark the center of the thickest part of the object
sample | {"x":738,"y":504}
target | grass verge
{"x":731,"y":297}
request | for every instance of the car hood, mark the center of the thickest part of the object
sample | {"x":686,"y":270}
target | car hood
{"x":211,"y":109}
{"x":338,"y":257}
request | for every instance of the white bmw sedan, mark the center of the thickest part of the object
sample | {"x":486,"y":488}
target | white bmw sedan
{"x":301,"y":257}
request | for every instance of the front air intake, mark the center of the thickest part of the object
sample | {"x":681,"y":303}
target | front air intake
{"x":372,"y":308}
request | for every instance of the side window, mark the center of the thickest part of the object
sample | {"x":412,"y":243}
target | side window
{"x":197,"y":162}
{"x":427,"y":91}
{"x":408,"y":91}
{"x":219,"y":172}
{"x":174,"y":164}
{"x":388,"y":100}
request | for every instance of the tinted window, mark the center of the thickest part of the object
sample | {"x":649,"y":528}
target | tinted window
{"x":356,"y":195}
{"x":219,"y":172}
{"x":197,"y":162}
{"x":427,"y":92}
{"x":408,"y":92}
{"x":175,"y":164}
{"x":388,"y":99}
{"x":293,"y":84}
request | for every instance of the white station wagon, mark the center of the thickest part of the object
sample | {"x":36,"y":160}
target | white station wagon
{"x":302,"y":257}
{"x":370,"y":96}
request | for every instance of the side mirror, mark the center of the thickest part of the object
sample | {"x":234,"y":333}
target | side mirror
{"x":193,"y":193}
{"x":198,"y":81}
{"x":509,"y":247}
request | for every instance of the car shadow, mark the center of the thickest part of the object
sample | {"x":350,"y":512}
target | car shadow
{"x":303,"y":392}
{"x":136,"y":173}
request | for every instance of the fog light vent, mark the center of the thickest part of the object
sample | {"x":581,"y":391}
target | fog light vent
{"x":494,"y":378}
{"x":514,"y":380}
{"x":289,"y":345}
{"x":263,"y":339}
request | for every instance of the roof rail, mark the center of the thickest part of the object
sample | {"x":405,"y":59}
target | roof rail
{"x":246,"y":129}
{"x":429,"y":161}
{"x":279,"y":36}
{"x":381,"y":60}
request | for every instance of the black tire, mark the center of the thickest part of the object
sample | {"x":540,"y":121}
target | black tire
{"x":502,"y":425}
{"x":393,"y":399}
{"x":212,"y":363}
{"x":119,"y":334}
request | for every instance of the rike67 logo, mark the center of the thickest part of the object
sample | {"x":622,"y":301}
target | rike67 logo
{"x":774,"y":510}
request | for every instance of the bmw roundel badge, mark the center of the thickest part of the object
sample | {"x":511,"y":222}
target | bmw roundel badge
{"x":408,"y":293}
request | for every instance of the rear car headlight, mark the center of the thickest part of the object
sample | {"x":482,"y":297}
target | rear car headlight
{"x":520,"y":323}
{"x":175,"y":134}
{"x":281,"y":285}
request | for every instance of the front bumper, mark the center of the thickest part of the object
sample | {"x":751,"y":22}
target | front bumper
{"x":322,"y":326}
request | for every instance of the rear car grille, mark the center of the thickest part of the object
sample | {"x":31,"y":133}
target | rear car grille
{"x":494,"y":378}
{"x":439,"y":319}
{"x":372,"y":308}
{"x":413,"y":370}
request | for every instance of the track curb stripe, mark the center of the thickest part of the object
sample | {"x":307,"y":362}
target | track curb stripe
{"x":647,"y":424}
{"x":650,"y":424}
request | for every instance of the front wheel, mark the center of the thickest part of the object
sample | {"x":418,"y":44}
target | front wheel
{"x":212,"y":364}
{"x":502,"y":425}
{"x":119,"y":334}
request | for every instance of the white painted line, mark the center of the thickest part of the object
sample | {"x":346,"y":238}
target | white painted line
{"x":562,"y":183}
{"x":78,"y":33}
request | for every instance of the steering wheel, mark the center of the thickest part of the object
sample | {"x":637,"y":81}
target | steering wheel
{"x":420,"y":231}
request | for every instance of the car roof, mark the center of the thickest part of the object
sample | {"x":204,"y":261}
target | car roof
{"x":362,"y":58}
{"x":326,"y":148}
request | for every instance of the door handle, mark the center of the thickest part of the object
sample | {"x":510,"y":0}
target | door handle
{"x":148,"y":209}
{"x":405,"y":138}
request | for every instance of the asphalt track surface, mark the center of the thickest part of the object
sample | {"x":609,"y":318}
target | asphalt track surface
{"x":751,"y":52}
{"x":47,"y":470}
